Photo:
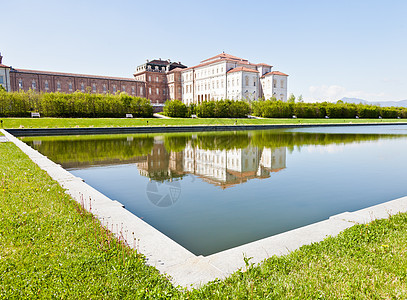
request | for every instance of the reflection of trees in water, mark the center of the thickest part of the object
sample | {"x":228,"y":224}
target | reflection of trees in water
{"x":94,"y":150}
{"x":81,"y":150}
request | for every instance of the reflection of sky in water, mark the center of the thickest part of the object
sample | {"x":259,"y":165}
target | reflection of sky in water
{"x":218,"y":199}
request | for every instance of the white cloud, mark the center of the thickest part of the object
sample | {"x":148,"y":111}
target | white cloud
{"x":336,"y":92}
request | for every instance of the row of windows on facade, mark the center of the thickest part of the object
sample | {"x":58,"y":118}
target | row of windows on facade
{"x":94,"y":89}
{"x":157,"y":90}
{"x":188,"y":76}
{"x":202,"y":86}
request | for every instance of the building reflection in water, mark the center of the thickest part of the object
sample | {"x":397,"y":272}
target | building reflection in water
{"x":223,"y":168}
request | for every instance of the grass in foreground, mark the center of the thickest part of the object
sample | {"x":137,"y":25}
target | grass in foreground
{"x":51,"y":248}
{"x":111,"y":122}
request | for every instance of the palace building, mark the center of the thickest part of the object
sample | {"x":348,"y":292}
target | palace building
{"x":223,"y":76}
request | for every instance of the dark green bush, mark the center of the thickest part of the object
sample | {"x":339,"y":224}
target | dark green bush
{"x":175,"y":108}
{"x":223,"y":109}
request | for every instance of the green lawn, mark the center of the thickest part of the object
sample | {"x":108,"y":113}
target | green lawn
{"x":111,"y":122}
{"x":51,"y":248}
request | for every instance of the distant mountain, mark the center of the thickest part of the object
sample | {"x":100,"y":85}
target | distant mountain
{"x":402,"y":103}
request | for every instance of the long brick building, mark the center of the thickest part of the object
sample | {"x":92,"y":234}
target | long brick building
{"x":153,"y":80}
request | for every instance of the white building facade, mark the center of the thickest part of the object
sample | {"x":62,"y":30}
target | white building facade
{"x":225,"y":76}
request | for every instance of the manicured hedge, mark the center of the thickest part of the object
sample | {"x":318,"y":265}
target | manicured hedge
{"x":281,"y":109}
{"x":76,"y":105}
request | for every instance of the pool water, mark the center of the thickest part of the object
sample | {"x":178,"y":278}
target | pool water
{"x":213,"y":191}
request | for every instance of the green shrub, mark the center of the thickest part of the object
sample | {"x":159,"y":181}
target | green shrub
{"x":175,"y":108}
{"x":75,"y":105}
{"x":223,"y":109}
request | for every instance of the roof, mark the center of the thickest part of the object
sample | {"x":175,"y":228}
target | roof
{"x":243,"y":69}
{"x":4,"y":66}
{"x":70,"y":74}
{"x":262,"y":64}
{"x":275,"y":73}
{"x":245,"y":62}
{"x":224,"y":55}
{"x":159,"y":62}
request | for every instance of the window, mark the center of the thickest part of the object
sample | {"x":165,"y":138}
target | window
{"x":157,"y":91}
{"x":114,"y":89}
{"x":163,"y":91}
{"x":70,"y":86}
{"x":46,"y":85}
{"x":141,"y":90}
{"x":1,"y":80}
{"x":58,"y":86}
{"x":123,"y":88}
{"x":94,"y":87}
{"x":133,"y":90}
{"x":104,"y":88}
{"x":156,"y":79}
{"x":254,"y":81}
{"x":34,"y":85}
{"x":20,"y":84}
{"x":282,"y":83}
{"x":217,"y":83}
{"x":149,"y":91}
{"x":149,"y":78}
{"x":274,"y":83}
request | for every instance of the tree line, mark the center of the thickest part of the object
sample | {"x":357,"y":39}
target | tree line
{"x":88,"y":105}
{"x":75,"y":105}
{"x":279,"y":109}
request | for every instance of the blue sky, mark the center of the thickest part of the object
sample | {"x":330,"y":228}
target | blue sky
{"x":330,"y":49}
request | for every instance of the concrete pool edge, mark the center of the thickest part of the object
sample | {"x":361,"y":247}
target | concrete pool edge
{"x":168,"y":257}
{"x":173,"y":129}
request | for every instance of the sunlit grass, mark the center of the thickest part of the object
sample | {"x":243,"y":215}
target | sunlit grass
{"x":111,"y":122}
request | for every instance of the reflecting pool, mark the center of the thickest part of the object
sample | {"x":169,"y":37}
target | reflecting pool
{"x":214,"y":191}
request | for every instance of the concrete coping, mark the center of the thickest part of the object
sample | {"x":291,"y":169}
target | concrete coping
{"x":183,"y":267}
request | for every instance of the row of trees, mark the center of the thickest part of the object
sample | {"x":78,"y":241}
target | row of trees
{"x":83,"y":105}
{"x":208,"y":109}
{"x":75,"y":105}
{"x":280,"y":109}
